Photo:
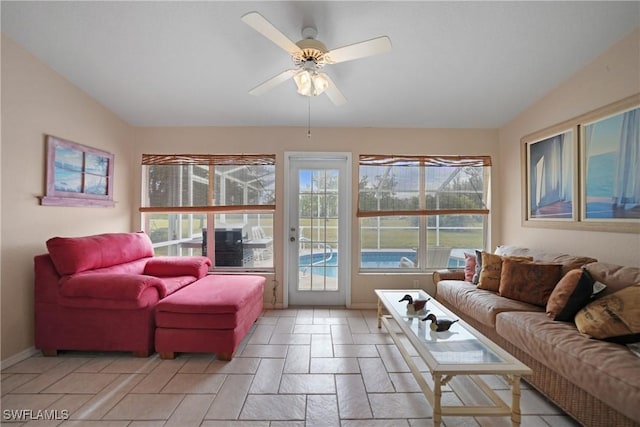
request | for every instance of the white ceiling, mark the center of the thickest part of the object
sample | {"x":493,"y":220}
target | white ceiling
{"x":453,"y":64}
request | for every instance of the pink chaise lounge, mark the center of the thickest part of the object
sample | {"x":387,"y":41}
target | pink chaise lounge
{"x":100,"y":292}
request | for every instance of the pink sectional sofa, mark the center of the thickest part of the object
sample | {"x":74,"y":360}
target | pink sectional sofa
{"x":100,"y":292}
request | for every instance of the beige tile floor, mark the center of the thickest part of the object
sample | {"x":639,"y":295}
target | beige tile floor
{"x":296,"y":367}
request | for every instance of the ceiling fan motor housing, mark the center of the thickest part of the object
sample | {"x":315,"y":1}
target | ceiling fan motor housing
{"x":312,"y":54}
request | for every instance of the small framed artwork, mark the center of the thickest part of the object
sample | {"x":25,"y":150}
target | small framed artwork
{"x":77,"y":175}
{"x":610,"y":163}
{"x":550,"y":182}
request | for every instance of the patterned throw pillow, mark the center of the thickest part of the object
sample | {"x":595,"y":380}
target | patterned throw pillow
{"x":476,"y":274}
{"x":529,"y":282}
{"x":571,"y":293}
{"x":614,"y":317}
{"x":491,"y":270}
{"x":469,"y":266}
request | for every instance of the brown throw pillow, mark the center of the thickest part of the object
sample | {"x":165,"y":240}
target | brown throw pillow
{"x":491,"y":270}
{"x":614,"y":317}
{"x":571,"y":293}
{"x":529,"y":282}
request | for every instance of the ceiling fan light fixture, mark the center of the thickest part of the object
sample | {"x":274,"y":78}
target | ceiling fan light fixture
{"x":311,"y":83}
{"x":320,"y":83}
{"x":303,"y":82}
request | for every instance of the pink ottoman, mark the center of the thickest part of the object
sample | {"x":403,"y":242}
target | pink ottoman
{"x":211,"y":315}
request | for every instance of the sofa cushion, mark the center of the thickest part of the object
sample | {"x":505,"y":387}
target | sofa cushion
{"x":569,"y":262}
{"x":86,"y":305}
{"x":571,"y":293}
{"x":615,"y":317}
{"x":117,"y":291}
{"x":110,"y":286}
{"x":446,"y":274}
{"x":72,"y":255}
{"x":131,"y":267}
{"x":528,"y":281}
{"x":606,"y":370}
{"x":163,"y":266}
{"x":172,"y":284}
{"x":480,"y":304}
{"x":216,"y":293}
{"x":614,"y":276}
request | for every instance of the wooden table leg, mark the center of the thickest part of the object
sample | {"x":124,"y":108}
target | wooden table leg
{"x":379,"y":313}
{"x":515,"y":401}
{"x":437,"y":400}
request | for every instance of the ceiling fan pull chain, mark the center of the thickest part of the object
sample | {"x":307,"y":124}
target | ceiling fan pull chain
{"x":309,"y":119}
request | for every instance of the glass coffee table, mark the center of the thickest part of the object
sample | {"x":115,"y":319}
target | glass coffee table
{"x":461,"y":350}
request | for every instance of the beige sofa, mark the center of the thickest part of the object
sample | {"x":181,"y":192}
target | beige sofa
{"x":596,"y":382}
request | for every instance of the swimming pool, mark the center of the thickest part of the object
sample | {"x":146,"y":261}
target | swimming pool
{"x":383,"y":260}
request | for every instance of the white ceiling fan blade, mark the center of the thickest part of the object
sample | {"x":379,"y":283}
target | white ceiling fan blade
{"x":334,"y":93}
{"x":360,"y":50}
{"x":272,"y":82}
{"x":266,"y":28}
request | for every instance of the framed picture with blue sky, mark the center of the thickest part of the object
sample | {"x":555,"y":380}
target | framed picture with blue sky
{"x":77,"y":175}
{"x":585,"y":173}
{"x":551,"y":175}
{"x":611,"y":167}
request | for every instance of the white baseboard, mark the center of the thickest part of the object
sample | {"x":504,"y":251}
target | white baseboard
{"x":364,"y":306}
{"x":25,"y":354}
{"x":359,"y":306}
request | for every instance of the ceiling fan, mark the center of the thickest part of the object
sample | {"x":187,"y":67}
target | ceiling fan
{"x":309,"y":57}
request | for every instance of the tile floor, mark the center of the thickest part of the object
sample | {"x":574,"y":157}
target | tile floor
{"x":296,"y":367}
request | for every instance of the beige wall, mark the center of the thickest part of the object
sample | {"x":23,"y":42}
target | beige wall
{"x":356,"y":141}
{"x":611,"y":77}
{"x":37,"y":101}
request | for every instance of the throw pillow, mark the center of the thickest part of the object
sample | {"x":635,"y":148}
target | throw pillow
{"x":469,"y":266}
{"x":597,"y":288}
{"x":571,"y":293}
{"x":489,"y":278}
{"x":476,"y":274}
{"x":529,"y":282}
{"x":491,"y":270}
{"x":614,"y":317}
{"x":634,"y":347}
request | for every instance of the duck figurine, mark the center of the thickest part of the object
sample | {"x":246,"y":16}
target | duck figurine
{"x":415,"y":306}
{"x":439,"y":325}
